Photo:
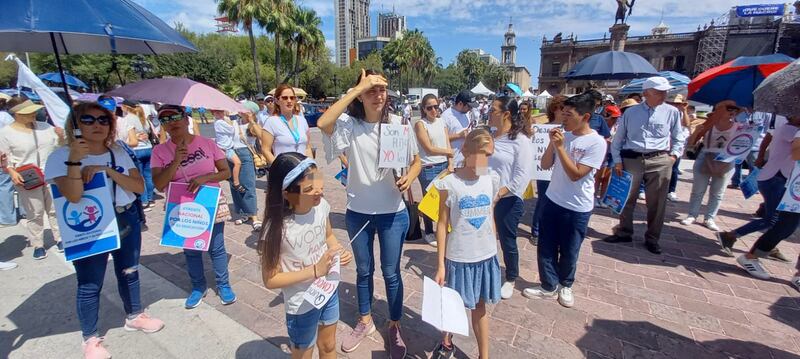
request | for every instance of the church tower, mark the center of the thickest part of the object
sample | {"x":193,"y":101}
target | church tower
{"x":509,"y":48}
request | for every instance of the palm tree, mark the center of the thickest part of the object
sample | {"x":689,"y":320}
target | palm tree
{"x":245,"y":12}
{"x":307,"y":37}
{"x":277,"y":20}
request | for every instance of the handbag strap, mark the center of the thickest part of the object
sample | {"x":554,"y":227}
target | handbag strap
{"x":113,"y":184}
{"x":36,"y":144}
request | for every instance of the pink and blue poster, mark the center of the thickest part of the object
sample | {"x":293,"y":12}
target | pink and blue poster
{"x":189,"y":217}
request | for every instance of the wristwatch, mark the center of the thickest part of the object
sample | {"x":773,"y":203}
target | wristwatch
{"x":69,"y":163}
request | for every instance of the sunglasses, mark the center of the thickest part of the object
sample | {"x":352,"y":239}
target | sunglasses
{"x":89,"y":120}
{"x":288,"y":98}
{"x":167,"y":117}
{"x":732,"y":108}
{"x":432,"y":108}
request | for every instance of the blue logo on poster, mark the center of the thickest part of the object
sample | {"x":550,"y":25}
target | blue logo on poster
{"x":83,"y":216}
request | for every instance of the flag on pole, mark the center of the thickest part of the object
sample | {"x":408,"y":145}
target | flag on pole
{"x":56,"y":108}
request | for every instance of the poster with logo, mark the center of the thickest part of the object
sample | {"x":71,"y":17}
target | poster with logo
{"x":541,"y":139}
{"x":791,"y":197}
{"x":88,"y":227}
{"x":619,"y":188}
{"x":394,"y":152}
{"x":189,"y":217}
{"x":322,"y":289}
{"x":738,"y":147}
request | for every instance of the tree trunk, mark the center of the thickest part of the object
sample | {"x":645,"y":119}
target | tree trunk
{"x":256,"y":67}
{"x":297,"y":64}
{"x":277,"y":58}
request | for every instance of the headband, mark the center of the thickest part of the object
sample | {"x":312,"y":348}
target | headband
{"x":297,"y":171}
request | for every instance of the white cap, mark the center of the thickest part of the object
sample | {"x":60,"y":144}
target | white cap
{"x":657,"y":82}
{"x":609,"y":98}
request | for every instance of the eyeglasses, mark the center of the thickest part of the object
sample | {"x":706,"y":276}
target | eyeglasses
{"x":170,"y":117}
{"x":89,"y":120}
{"x":432,"y":108}
{"x":288,"y":98}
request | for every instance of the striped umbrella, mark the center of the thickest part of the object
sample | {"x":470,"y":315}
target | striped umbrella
{"x":735,"y":80}
{"x":675,"y":79}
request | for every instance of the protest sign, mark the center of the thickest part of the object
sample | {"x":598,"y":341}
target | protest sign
{"x":342,"y":176}
{"x":189,"y":217}
{"x":323,"y":288}
{"x":749,"y":186}
{"x":88,"y":227}
{"x":541,"y":139}
{"x":791,"y":197}
{"x":443,"y":308}
{"x":619,"y":188}
{"x":739,"y":145}
{"x":394,"y":152}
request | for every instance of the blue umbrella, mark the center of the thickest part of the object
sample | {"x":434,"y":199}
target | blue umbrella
{"x":514,"y":87}
{"x":675,"y":79}
{"x":56,"y":77}
{"x":611,"y":65}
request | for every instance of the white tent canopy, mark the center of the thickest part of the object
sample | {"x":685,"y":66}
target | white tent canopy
{"x":544,"y":94}
{"x":528,"y":94}
{"x":480,"y":89}
{"x":541,"y":100}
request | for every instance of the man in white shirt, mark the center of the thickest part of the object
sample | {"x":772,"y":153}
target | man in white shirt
{"x":457,"y":122}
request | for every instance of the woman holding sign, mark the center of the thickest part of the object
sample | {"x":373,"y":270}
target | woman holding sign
{"x":69,"y":168}
{"x":198,"y":161}
{"x":375,"y":203}
{"x":298,"y":250}
{"x":513,"y":161}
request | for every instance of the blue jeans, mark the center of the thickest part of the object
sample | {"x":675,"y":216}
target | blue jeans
{"x":143,"y":155}
{"x":245,"y":203}
{"x":391,"y":229}
{"x":772,"y":191}
{"x":673,"y":181}
{"x":541,"y":189}
{"x":219,"y":260}
{"x":507,"y":213}
{"x":737,"y":171}
{"x":91,"y":271}
{"x":303,"y":328}
{"x":563,"y":231}
{"x":426,"y":176}
{"x":7,"y":213}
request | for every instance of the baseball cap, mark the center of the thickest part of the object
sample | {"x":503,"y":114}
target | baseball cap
{"x":269,"y":97}
{"x":658,"y":83}
{"x":465,"y":97}
{"x":108,"y":103}
{"x":25,"y":108}
{"x":613,"y":111}
{"x":676,"y":98}
{"x":130,"y":103}
{"x":609,"y":98}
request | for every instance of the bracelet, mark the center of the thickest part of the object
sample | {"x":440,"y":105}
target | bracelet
{"x":315,"y":272}
{"x":70,"y":163}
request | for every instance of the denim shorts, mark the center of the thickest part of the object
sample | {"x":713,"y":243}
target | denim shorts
{"x":302,"y":328}
{"x":229,"y":153}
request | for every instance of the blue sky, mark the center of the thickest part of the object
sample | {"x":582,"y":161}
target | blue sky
{"x":453,"y":25}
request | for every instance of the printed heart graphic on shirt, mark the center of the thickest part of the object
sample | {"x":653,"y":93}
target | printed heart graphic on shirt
{"x":469,"y":202}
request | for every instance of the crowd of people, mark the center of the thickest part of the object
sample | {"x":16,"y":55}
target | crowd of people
{"x":481,"y":170}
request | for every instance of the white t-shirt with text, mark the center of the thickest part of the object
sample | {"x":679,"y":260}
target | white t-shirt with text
{"x":578,"y":196}
{"x":55,"y":168}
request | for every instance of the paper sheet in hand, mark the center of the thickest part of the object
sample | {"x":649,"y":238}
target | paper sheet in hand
{"x":322,"y":289}
{"x":541,"y":139}
{"x":749,"y":186}
{"x":443,"y":308}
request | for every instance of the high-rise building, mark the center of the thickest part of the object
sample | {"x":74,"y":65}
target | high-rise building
{"x":391,"y":25}
{"x":352,"y":23}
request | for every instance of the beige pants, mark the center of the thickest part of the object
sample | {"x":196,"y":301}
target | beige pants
{"x":656,"y":172}
{"x":38,"y":203}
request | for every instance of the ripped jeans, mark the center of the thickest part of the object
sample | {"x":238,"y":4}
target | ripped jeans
{"x":91,"y":271}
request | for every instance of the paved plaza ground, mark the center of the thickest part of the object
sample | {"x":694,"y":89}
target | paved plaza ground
{"x":690,"y":302}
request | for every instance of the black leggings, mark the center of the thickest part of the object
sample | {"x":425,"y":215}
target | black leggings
{"x":786,"y":225}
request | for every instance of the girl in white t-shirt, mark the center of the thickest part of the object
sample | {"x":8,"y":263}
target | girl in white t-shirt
{"x":297,"y":248}
{"x":468,"y":254}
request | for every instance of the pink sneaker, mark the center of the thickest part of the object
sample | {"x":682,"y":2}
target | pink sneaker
{"x":92,"y":349}
{"x":144,"y":323}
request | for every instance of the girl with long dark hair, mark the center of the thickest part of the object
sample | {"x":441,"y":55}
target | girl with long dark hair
{"x":297,"y":247}
{"x":375,"y":202}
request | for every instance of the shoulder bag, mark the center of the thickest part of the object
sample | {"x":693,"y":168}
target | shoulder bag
{"x":32,"y":175}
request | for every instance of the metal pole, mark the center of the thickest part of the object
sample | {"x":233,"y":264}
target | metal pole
{"x":76,"y":130}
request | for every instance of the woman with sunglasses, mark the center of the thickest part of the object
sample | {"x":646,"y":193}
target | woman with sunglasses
{"x":375,"y":200}
{"x":72,"y":166}
{"x":195,"y":160}
{"x":287,"y":129}
{"x":435,"y":152}
{"x":714,"y":133}
{"x":27,"y":143}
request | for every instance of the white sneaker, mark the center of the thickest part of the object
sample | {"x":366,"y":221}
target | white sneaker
{"x":539,"y":292}
{"x":507,"y":290}
{"x":7,"y":265}
{"x":753,"y":266}
{"x":710,"y":224}
{"x":672,"y":196}
{"x":431,"y":240}
{"x":796,"y":282}
{"x":598,"y":202}
{"x":689,"y":220}
{"x":565,"y":297}
{"x":641,"y":196}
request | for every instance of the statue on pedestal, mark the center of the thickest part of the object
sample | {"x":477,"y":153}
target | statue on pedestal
{"x":624,"y":10}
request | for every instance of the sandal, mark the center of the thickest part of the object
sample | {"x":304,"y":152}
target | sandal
{"x":239,"y":188}
{"x":257,"y":225}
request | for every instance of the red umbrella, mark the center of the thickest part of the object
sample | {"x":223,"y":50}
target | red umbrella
{"x":736,"y":79}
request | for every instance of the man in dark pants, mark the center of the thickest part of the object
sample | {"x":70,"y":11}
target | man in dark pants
{"x":648,"y":141}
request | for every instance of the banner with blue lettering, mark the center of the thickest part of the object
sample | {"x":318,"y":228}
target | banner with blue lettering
{"x":760,"y":10}
{"x":88,"y":227}
{"x":189,"y":217}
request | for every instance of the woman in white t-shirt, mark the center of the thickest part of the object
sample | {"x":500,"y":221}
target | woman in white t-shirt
{"x":435,"y":152}
{"x":27,"y":142}
{"x":140,"y":137}
{"x":297,"y":248}
{"x":70,"y":168}
{"x":375,"y":203}
{"x":287,"y":129}
{"x":513,"y":161}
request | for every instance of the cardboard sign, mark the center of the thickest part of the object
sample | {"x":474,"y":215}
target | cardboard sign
{"x":791,"y":197}
{"x":394,"y":152}
{"x":323,"y":288}
{"x":619,"y":188}
{"x":189,"y":217}
{"x":541,"y":139}
{"x":88,"y":227}
{"x":738,"y":147}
